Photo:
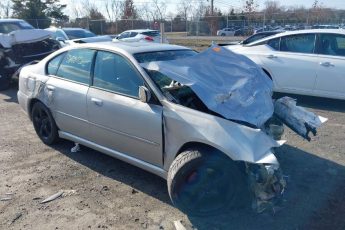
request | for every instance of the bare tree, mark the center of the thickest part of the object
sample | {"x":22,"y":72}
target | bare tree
{"x":184,"y":8}
{"x":199,"y":10}
{"x":146,"y":12}
{"x":5,"y":8}
{"x":113,"y":9}
{"x":159,"y":7}
{"x":272,"y":8}
{"x":77,"y":9}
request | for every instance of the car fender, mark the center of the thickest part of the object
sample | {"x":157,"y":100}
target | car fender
{"x":241,"y":143}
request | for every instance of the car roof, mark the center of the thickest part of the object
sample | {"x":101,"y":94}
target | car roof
{"x":129,"y":47}
{"x":328,"y":31}
{"x":140,"y":30}
{"x":71,"y":28}
{"x":11,"y":20}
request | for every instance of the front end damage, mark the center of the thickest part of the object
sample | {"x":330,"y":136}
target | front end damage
{"x":267,"y":184}
{"x":22,"y":47}
{"x":234,"y":89}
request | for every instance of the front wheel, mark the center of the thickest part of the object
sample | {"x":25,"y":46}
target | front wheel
{"x":44,"y":124}
{"x":205,"y":182}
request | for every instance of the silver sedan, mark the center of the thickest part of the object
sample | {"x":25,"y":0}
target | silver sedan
{"x":106,"y":97}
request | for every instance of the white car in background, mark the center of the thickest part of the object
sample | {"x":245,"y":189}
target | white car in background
{"x":307,"y":62}
{"x":145,"y":35}
{"x":226,"y":32}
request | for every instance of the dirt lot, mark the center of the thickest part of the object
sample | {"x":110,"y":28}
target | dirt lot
{"x":102,"y":192}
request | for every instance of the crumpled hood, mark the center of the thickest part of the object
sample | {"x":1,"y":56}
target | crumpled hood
{"x":23,"y":36}
{"x":228,"y":84}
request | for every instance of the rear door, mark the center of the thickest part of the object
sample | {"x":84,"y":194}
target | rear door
{"x":118,"y":119}
{"x":330,"y":79}
{"x":292,"y":63}
{"x":68,"y":85}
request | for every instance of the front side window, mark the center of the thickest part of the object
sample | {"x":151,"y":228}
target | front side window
{"x":115,"y":73}
{"x":124,"y":35}
{"x":300,"y":43}
{"x":332,"y":44}
{"x":76,"y":65}
{"x":133,"y":34}
{"x":53,"y":64}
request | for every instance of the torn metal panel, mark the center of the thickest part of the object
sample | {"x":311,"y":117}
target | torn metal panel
{"x":297,"y":118}
{"x":239,"y":142}
{"x":267,"y":185}
{"x":227,"y":83}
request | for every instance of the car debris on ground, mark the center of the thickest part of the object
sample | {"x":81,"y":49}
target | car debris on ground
{"x":52,"y":197}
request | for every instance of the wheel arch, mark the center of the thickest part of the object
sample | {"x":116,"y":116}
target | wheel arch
{"x":199,"y":145}
{"x":268,"y":73}
{"x":31,"y":105}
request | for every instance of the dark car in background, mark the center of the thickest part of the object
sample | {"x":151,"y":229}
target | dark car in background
{"x":20,"y":44}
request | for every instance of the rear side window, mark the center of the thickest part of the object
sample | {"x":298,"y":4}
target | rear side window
{"x":53,"y":64}
{"x":332,"y":44}
{"x":274,"y":43}
{"x":76,"y":65}
{"x":154,"y":33}
{"x":115,"y":73}
{"x":300,"y":43}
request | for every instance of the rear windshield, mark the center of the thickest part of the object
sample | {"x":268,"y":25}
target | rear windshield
{"x":8,"y":27}
{"x":154,"y":33}
{"x":75,"y":34}
{"x":166,"y":55}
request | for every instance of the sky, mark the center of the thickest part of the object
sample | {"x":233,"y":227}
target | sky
{"x":224,"y":5}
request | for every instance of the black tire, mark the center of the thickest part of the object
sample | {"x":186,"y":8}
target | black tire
{"x":44,"y":124}
{"x":223,"y":34}
{"x":5,"y":81}
{"x":204,"y":182}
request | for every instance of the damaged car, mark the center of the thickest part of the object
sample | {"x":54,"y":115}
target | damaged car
{"x":205,"y":122}
{"x":20,"y":44}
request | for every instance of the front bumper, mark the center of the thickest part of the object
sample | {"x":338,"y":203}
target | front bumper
{"x":267,"y":185}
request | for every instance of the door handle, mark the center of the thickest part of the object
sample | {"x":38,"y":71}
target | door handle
{"x":326,"y":64}
{"x":97,"y":101}
{"x":271,"y":56}
{"x":50,"y":88}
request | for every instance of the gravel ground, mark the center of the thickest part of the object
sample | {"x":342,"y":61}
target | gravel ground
{"x":102,"y":192}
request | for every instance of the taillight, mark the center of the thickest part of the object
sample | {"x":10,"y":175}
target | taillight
{"x":148,"y":38}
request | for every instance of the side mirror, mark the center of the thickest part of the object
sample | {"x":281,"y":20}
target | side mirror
{"x":144,"y":94}
{"x":60,"y":39}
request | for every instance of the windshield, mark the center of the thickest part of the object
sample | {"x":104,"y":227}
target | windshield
{"x":8,"y":27}
{"x":166,"y":55}
{"x":173,"y":90}
{"x":75,"y":34}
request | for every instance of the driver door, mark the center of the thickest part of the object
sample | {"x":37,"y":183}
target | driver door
{"x":118,"y":119}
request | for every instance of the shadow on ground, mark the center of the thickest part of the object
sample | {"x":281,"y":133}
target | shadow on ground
{"x":117,"y":170}
{"x":315,"y":197}
{"x":11,"y":93}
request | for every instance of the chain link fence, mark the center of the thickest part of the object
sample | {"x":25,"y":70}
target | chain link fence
{"x":206,"y":26}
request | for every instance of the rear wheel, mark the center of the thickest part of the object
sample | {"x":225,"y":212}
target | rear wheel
{"x":44,"y":124}
{"x":205,"y":182}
